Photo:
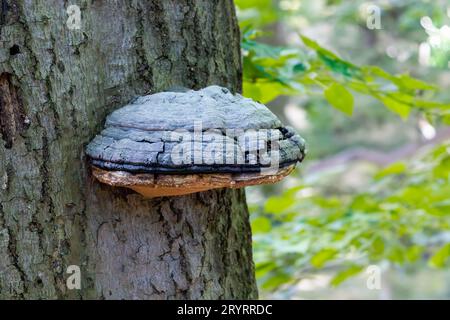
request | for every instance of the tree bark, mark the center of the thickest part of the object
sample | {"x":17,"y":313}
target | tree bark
{"x":56,"y":87}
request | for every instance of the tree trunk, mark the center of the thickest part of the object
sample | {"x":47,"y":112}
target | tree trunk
{"x":57,"y":84}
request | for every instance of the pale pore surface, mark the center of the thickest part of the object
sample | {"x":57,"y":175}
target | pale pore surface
{"x":157,"y":185}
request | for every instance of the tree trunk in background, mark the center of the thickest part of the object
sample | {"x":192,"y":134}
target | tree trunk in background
{"x":56,"y":87}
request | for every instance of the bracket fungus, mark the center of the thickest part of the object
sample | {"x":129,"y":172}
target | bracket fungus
{"x":175,"y":143}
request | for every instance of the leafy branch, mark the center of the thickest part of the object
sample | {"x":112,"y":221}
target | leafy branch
{"x":270,"y":71}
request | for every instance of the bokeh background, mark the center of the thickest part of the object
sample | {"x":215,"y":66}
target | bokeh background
{"x":367,"y":84}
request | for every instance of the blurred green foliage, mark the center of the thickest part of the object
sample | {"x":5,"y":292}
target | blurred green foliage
{"x":403,"y":215}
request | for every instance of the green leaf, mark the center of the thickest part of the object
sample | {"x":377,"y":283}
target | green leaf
{"x":343,"y":275}
{"x":315,"y":46}
{"x":261,"y":269}
{"x":414,"y":84}
{"x":396,"y":254}
{"x":261,"y":225}
{"x":264,"y":91}
{"x":400,"y":108}
{"x":321,"y":257}
{"x":439,"y":259}
{"x":340,"y":98}
{"x":276,"y":280}
{"x":375,"y":71}
{"x":446,"y":120}
{"x":310,"y":43}
{"x":441,"y":207}
{"x":395,"y":168}
{"x":414,"y":253}
{"x":299,"y":67}
{"x":378,"y":246}
{"x":279,"y":204}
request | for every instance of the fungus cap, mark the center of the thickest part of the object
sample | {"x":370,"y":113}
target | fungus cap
{"x":174,"y":143}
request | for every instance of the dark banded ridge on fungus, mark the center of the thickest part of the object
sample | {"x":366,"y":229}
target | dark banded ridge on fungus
{"x":173,"y":143}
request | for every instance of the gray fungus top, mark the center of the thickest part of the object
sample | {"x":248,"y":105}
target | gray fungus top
{"x":206,"y":131}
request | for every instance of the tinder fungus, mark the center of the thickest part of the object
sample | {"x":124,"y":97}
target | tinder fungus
{"x":175,"y":143}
